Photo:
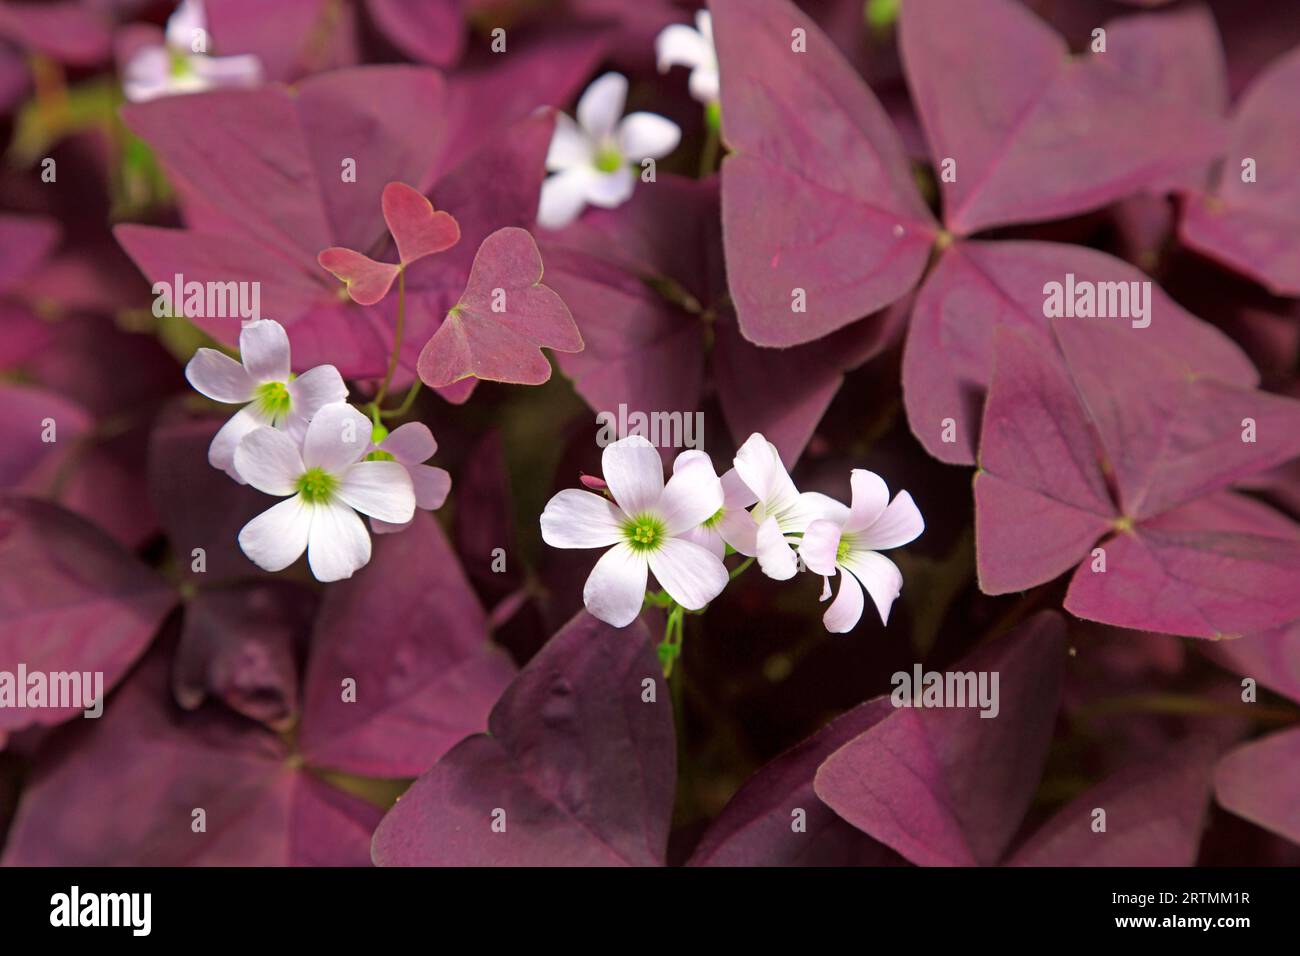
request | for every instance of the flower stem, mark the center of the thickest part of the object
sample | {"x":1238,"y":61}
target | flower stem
{"x":397,"y":338}
{"x":709,"y":154}
{"x":671,"y":647}
{"x":407,"y":402}
{"x":740,"y":569}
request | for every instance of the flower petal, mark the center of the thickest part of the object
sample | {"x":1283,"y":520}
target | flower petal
{"x":431,"y":486}
{"x":735,"y":493}
{"x":774,"y":554}
{"x":278,"y":536}
{"x":381,"y":489}
{"x":264,"y":350}
{"x":148,"y":75}
{"x":314,"y":389}
{"x":187,"y":20}
{"x":879,"y":576}
{"x":221,"y":453}
{"x":580,"y":519}
{"x":680,"y":45}
{"x":870,"y":496}
{"x":693,"y":494}
{"x":564,"y":196}
{"x":337,"y":437}
{"x":810,"y":506}
{"x":339,"y":544}
{"x":610,"y":190}
{"x":759,"y":467}
{"x":647,"y":136}
{"x":615,"y":589}
{"x":706,"y":538}
{"x":386,"y":527}
{"x":634,"y":472}
{"x":411,"y":443}
{"x":268,"y":459}
{"x":818,"y":547}
{"x":846,"y":610}
{"x":738,"y":529}
{"x":601,"y":106}
{"x":704,"y":84}
{"x":900,"y":523}
{"x":244,"y":70}
{"x":570,"y":146}
{"x":219,"y":377}
{"x":690,"y":573}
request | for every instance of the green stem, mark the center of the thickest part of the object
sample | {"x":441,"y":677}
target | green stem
{"x":709,"y":154}
{"x":740,"y":569}
{"x":407,"y":402}
{"x":397,"y":338}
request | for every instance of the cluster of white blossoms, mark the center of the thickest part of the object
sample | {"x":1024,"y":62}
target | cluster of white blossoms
{"x":681,"y":530}
{"x":181,"y":64}
{"x":596,"y":160}
{"x":297,"y":438}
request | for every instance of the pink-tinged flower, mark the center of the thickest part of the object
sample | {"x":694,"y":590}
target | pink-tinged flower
{"x":782,"y":510}
{"x":597,"y":159}
{"x":680,"y":45}
{"x":850,"y":544}
{"x":326,"y":484}
{"x":729,"y":525}
{"x":410,"y":445}
{"x":645,"y":524}
{"x":262,"y":383}
{"x":182,"y":64}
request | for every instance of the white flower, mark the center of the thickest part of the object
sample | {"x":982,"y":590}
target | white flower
{"x":729,"y":525}
{"x":781,"y":510}
{"x":182,"y":65}
{"x":679,"y":45}
{"x":646,"y":525}
{"x":324,"y":483}
{"x":409,"y":445}
{"x":849,"y":543}
{"x":263,"y":381}
{"x":593,"y":159}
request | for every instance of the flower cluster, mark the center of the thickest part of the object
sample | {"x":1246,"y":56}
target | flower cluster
{"x":684,"y":528}
{"x":182,"y":64}
{"x":297,"y":438}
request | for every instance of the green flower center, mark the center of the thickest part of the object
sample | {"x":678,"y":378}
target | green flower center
{"x":273,"y":399}
{"x":714,"y":518}
{"x":609,"y":159}
{"x":380,"y":455}
{"x":180,"y":64}
{"x":644,"y":533}
{"x":843,"y":549}
{"x":317,"y":486}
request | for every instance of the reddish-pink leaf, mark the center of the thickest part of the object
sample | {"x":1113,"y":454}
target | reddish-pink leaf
{"x":1259,"y":783}
{"x":505,"y":317}
{"x":417,"y":228}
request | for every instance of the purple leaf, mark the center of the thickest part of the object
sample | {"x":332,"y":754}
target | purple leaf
{"x":1155,"y":811}
{"x":756,"y":826}
{"x":1253,"y":227}
{"x":304,"y":36}
{"x":24,"y":242}
{"x":1271,"y":658}
{"x":1041,"y":500}
{"x":505,"y":317}
{"x":1182,"y":572}
{"x":430,"y":31}
{"x":582,"y":767}
{"x":418,"y":650}
{"x":947,"y":786}
{"x":1036,"y":134}
{"x":977,"y":286}
{"x":70,"y":600}
{"x":66,"y":31}
{"x":1259,"y":783}
{"x":242,"y":644}
{"x":816,"y":192}
{"x":86,"y":804}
